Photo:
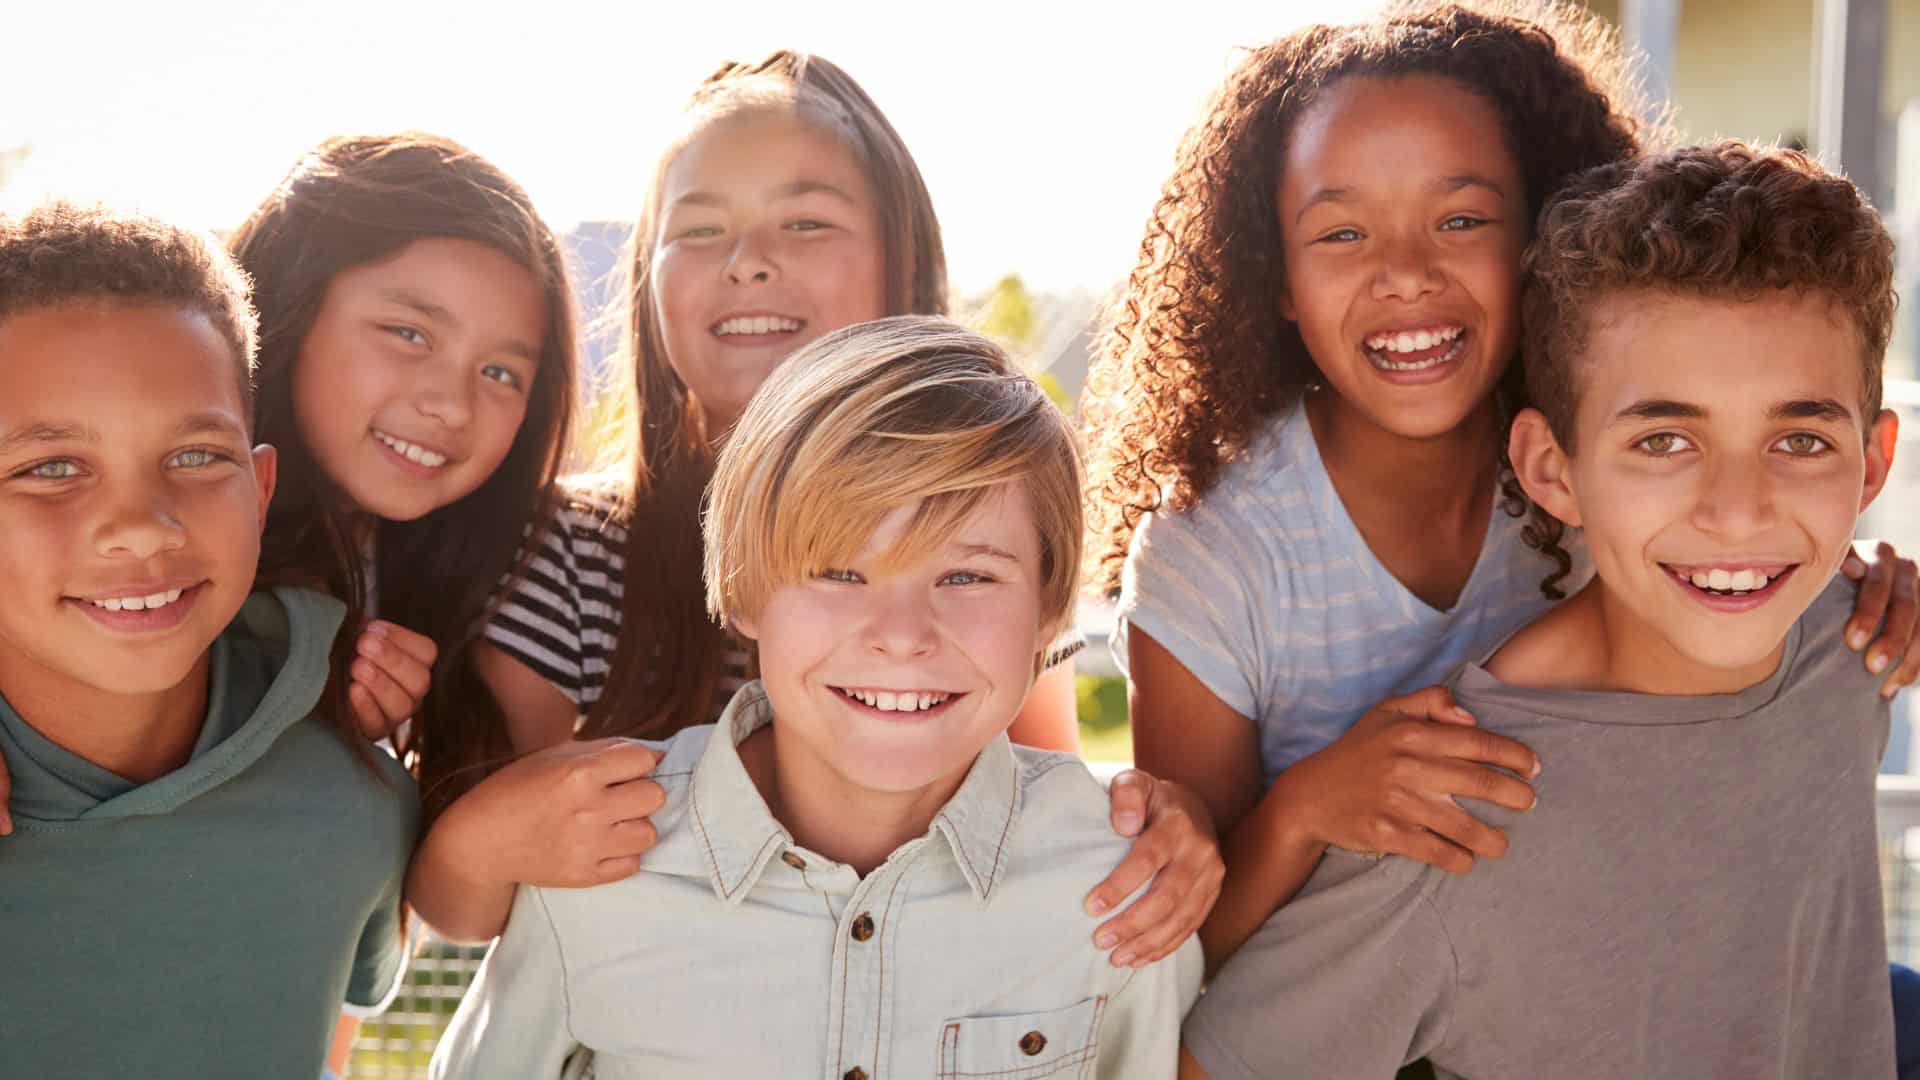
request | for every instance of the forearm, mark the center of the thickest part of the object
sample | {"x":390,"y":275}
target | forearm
{"x":443,"y":887}
{"x":1269,"y":856}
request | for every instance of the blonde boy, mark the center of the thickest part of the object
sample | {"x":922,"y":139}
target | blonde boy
{"x":858,"y":876}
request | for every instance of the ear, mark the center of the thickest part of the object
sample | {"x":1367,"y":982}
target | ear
{"x":1287,"y":310}
{"x":1542,"y":466}
{"x":1881,"y":440}
{"x":266,"y":470}
{"x":743,"y":625}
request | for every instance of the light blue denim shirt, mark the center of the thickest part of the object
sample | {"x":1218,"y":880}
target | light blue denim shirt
{"x":737,"y":953}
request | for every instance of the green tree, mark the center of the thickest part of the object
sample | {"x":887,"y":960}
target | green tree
{"x":1007,"y":314}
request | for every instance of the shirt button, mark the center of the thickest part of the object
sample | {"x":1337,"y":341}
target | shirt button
{"x":863,"y":927}
{"x":855,"y":1073}
{"x":793,"y":860}
{"x":1032,"y":1043}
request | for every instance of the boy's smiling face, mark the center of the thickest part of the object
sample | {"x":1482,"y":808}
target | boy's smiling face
{"x":894,"y":681}
{"x":1722,"y":458}
{"x":131,"y":501}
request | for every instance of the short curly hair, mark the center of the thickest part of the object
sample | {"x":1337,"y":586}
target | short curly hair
{"x":1196,"y":355}
{"x":1727,"y":220}
{"x":59,"y":253}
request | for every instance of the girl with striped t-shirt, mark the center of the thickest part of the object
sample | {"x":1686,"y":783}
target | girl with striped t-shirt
{"x":787,"y":208}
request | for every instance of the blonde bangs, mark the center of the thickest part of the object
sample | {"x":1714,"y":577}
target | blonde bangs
{"x":871,"y":419}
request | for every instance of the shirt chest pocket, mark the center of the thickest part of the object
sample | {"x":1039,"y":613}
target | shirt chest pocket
{"x":1023,"y":1046}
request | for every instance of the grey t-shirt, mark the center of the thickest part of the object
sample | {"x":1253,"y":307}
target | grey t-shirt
{"x":1696,"y":894}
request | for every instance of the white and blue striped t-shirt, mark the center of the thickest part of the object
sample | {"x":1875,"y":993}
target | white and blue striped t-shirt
{"x":1267,"y":592}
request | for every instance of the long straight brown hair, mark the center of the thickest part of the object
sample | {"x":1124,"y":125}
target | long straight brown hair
{"x":355,"y":200}
{"x":668,"y":661}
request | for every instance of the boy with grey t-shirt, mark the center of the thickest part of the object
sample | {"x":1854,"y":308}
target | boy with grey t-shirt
{"x":1697,"y":891}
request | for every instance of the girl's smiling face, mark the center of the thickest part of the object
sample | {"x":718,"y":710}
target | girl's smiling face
{"x":768,"y":238}
{"x":1404,"y":217}
{"x":411,"y":385}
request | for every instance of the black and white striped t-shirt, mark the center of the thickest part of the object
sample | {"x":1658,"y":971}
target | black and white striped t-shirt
{"x":563,"y":618}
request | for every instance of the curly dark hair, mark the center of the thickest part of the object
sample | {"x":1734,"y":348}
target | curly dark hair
{"x":1195,"y":354}
{"x":59,"y":252}
{"x":1726,"y":220}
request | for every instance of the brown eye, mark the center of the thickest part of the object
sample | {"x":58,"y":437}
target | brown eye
{"x":1801,"y":444}
{"x":1663,"y":443}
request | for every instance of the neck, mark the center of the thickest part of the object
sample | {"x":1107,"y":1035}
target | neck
{"x":140,"y":737}
{"x":1592,"y":641}
{"x":1440,"y":477}
{"x":830,"y":814}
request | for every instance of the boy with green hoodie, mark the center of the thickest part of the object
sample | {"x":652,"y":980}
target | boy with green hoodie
{"x":179,"y":768}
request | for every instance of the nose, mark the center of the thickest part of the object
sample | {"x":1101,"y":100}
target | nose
{"x":750,"y":260}
{"x":1735,"y":500}
{"x":140,"y":523}
{"x":900,"y":624}
{"x":443,"y":391}
{"x":1406,"y":269}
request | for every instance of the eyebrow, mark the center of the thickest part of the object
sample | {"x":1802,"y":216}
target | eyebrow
{"x":986,"y":551}
{"x":785,"y":191}
{"x":1798,"y":409}
{"x":439,"y":313}
{"x":202,"y":423}
{"x":46,"y":432}
{"x":1446,"y":185}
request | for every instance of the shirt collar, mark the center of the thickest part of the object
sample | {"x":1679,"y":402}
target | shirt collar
{"x":742,"y":837}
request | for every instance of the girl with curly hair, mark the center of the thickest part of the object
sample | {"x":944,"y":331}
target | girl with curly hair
{"x":1298,"y":488}
{"x":788,"y":207}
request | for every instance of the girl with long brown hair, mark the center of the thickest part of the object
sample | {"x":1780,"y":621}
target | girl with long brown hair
{"x":787,"y":208}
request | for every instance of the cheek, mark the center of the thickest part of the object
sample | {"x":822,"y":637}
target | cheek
{"x":851,"y":284}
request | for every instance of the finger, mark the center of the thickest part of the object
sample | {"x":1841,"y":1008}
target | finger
{"x":1134,"y":930}
{"x":1417,"y":843}
{"x":635,"y":800}
{"x":418,"y":646}
{"x":366,"y":713}
{"x":1143,"y":860}
{"x":1191,"y":906}
{"x":1449,"y":822}
{"x":1853,"y":566}
{"x":1484,"y":784}
{"x":1869,"y":604}
{"x":616,"y":761}
{"x":631,"y":838}
{"x":1442,"y":741}
{"x":608,"y":871}
{"x":1432,"y":703}
{"x":403,"y":667}
{"x":392,"y":698}
{"x":1130,"y":793}
{"x":1903,"y":675}
{"x":1896,"y":631}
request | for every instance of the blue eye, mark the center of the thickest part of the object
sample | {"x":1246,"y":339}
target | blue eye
{"x":1339,"y":236}
{"x":1462,"y":223}
{"x":195,"y":459}
{"x":965,"y":577}
{"x":59,"y":469}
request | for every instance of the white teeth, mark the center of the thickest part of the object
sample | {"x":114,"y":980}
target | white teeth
{"x":1413,"y":340}
{"x":419,"y":455}
{"x":138,"y":603}
{"x":896,"y":700}
{"x":1731,"y":581}
{"x":757,"y":324}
